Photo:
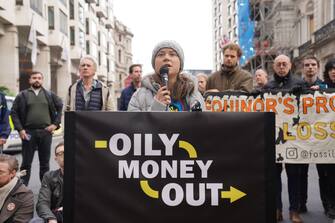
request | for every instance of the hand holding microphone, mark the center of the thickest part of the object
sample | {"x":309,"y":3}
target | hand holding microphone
{"x":163,"y":94}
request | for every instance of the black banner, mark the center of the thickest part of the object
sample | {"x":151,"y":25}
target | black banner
{"x":166,"y":167}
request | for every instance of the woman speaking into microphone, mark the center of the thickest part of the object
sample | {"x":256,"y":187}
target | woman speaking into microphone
{"x":168,"y":89}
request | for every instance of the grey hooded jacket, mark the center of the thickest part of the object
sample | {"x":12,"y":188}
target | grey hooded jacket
{"x":143,"y":99}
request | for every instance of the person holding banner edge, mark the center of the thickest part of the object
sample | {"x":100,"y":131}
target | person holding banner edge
{"x":327,"y":171}
{"x":177,"y":92}
{"x":285,"y":80}
{"x":311,"y":67}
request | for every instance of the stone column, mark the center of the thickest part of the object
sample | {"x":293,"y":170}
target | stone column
{"x":9,"y":59}
{"x":43,"y":65}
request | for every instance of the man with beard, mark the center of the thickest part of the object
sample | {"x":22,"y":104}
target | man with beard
{"x":231,"y":76}
{"x":36,"y":113}
{"x":16,"y":200}
{"x":135,"y":72}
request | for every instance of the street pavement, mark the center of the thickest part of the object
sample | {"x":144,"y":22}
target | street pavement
{"x":315,"y":210}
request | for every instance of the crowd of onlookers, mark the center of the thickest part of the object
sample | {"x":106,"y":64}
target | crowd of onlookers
{"x":36,"y":114}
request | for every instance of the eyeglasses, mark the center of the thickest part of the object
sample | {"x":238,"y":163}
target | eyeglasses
{"x":61,"y":153}
{"x":85,"y":64}
{"x":279,"y":64}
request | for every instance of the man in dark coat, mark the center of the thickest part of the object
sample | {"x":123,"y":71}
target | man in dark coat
{"x":285,"y":80}
{"x":36,"y":113}
{"x":135,"y":72}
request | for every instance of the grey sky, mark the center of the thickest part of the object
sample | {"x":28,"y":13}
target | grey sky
{"x":186,"y":21}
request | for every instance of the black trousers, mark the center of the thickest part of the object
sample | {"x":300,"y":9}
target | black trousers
{"x":327,"y":184}
{"x":295,"y":181}
{"x":40,"y":140}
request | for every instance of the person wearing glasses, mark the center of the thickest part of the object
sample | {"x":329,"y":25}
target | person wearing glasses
{"x":88,"y":94}
{"x":49,"y":205}
{"x":284,"y":79}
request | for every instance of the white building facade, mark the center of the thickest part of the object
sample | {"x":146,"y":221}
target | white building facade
{"x":65,"y":31}
{"x":225,"y":27}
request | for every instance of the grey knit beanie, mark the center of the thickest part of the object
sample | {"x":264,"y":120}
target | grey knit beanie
{"x":168,"y":44}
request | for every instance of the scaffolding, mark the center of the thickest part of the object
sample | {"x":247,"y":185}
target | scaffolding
{"x":272,"y":25}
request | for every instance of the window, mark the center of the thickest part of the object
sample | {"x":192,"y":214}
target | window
{"x":310,"y":24}
{"x":87,"y":47}
{"x":220,"y":20}
{"x":229,"y":23}
{"x":219,"y":7}
{"x":120,"y":37}
{"x":229,"y":10}
{"x":37,"y":6}
{"x":71,"y":9}
{"x":51,"y":17}
{"x":82,"y":39}
{"x":19,"y":2}
{"x":81,"y":14}
{"x":119,"y":56}
{"x":99,"y":58}
{"x":87,"y":26}
{"x":72,"y":36}
{"x":63,"y":22}
{"x":99,"y":38}
{"x":235,"y":32}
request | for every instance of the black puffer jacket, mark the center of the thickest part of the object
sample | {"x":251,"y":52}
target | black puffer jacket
{"x":51,"y":194}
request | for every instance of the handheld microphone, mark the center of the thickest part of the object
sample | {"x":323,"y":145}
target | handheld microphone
{"x":196,"y":107}
{"x":163,"y":72}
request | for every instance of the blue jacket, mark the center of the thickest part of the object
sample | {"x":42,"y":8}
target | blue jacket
{"x":126,"y":95}
{"x":4,"y":118}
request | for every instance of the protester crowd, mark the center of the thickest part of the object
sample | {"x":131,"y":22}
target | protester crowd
{"x":37,"y":112}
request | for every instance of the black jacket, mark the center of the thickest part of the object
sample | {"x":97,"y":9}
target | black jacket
{"x":288,"y":82}
{"x":51,"y":194}
{"x":19,"y":109}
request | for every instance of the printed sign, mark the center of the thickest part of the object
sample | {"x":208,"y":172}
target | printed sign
{"x":169,"y":167}
{"x":305,"y":123}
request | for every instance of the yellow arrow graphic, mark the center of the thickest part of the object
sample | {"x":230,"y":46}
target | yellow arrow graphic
{"x":234,"y":194}
{"x":148,"y":190}
{"x":189,"y":148}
